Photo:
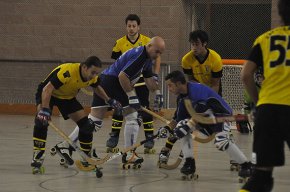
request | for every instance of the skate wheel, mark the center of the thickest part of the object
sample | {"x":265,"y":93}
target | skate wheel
{"x":53,"y":151}
{"x":149,"y":151}
{"x":126,"y":166}
{"x":36,"y":170}
{"x":99,"y":173}
{"x":115,"y":150}
{"x":184,"y":177}
{"x":63,"y":163}
{"x":195,"y":176}
{"x":136,"y":166}
{"x":234,"y":168}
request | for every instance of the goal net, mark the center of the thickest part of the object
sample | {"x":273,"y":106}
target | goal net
{"x":232,"y":86}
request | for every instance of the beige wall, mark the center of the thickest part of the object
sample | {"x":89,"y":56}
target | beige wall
{"x":72,"y":30}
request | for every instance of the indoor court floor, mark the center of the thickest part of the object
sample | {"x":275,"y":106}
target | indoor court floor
{"x":212,"y":165}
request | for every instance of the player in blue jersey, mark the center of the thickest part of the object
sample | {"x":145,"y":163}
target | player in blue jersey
{"x":118,"y":81}
{"x":204,"y":100}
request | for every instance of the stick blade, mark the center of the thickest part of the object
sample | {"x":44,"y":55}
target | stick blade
{"x":198,"y":117}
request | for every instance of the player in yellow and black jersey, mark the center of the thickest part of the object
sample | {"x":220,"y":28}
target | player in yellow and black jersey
{"x":202,"y":64}
{"x":131,"y":40}
{"x":59,"y":89}
{"x":271,"y":51}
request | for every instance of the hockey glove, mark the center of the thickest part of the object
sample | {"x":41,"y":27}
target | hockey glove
{"x":182,"y":128}
{"x":158,"y":101}
{"x":116,"y":105}
{"x":44,"y":115}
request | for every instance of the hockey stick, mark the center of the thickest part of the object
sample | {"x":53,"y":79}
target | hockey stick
{"x":136,"y":145}
{"x":155,"y":115}
{"x":198,"y":139}
{"x":201,"y":118}
{"x":83,"y":154}
{"x":174,"y":165}
{"x":91,"y":93}
{"x":91,"y":167}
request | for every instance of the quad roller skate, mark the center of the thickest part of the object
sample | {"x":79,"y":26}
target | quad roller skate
{"x":188,"y":170}
{"x":62,"y":161}
{"x":131,"y":160}
{"x":163,"y":156}
{"x":245,"y":172}
{"x":37,"y":161}
{"x":234,"y":166}
{"x":112,"y":143}
{"x":65,"y":151}
{"x":148,"y":146}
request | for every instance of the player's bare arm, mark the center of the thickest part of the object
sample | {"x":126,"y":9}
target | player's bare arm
{"x":125,"y":82}
{"x":101,"y":93}
{"x":151,"y":84}
{"x":46,"y":95}
{"x":157,"y":65}
{"x":215,"y":84}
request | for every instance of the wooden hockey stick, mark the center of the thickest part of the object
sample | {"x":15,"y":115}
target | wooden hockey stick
{"x":174,"y":165}
{"x":198,"y":139}
{"x":91,"y":167}
{"x":81,"y":167}
{"x":155,"y":115}
{"x":83,"y":154}
{"x":201,"y":118}
{"x":131,"y":148}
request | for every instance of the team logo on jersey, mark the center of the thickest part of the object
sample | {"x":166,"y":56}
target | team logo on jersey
{"x":66,"y":74}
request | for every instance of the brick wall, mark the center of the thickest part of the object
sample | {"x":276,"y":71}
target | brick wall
{"x":72,"y":30}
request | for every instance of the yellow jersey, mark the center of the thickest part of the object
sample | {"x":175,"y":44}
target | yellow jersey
{"x":124,"y":44}
{"x":203,"y":71}
{"x":67,"y":81}
{"x":273,"y":49}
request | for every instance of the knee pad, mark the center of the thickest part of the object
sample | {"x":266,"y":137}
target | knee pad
{"x":86,"y":126}
{"x":222,"y":141}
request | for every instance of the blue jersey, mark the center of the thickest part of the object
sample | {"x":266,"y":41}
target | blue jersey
{"x":199,"y":93}
{"x":133,"y":63}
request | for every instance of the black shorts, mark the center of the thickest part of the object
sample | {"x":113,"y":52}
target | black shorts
{"x":112,"y":87}
{"x":271,"y":130}
{"x":65,"y":106}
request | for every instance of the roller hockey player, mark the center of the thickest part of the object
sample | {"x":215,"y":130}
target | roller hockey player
{"x":131,"y":40}
{"x":60,"y":89}
{"x":204,"y":100}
